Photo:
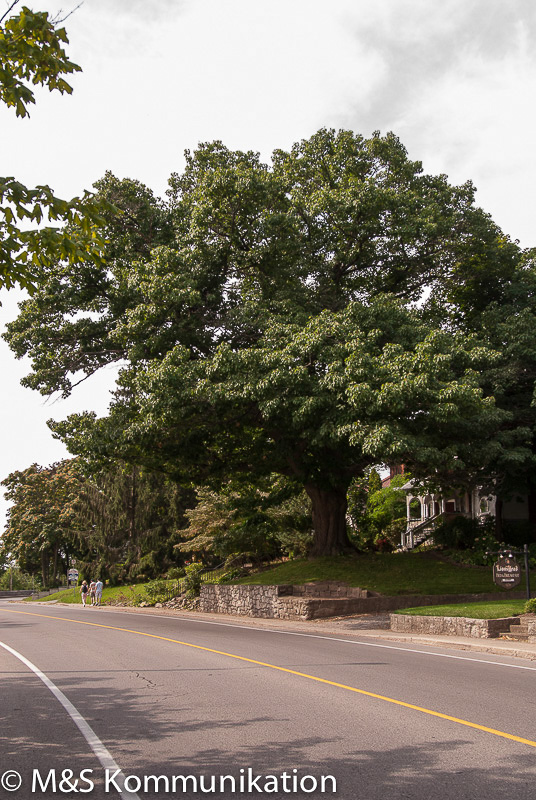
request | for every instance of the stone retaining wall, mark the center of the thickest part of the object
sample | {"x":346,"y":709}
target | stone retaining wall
{"x":281,"y":602}
{"x":251,"y":601}
{"x":315,"y":601}
{"x":532,"y":631}
{"x":452,"y":626}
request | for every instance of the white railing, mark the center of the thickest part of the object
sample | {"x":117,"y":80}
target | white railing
{"x":418,"y":531}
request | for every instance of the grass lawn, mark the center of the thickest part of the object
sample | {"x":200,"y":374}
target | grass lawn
{"x":110,"y":595}
{"x":494,"y":609}
{"x":385,"y":573}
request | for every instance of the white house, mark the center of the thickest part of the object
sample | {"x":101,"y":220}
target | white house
{"x":425,"y":510}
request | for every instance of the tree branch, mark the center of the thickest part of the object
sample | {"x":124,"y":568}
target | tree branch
{"x":12,"y":6}
{"x":58,"y":20}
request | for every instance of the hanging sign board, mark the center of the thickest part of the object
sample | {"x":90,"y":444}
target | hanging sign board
{"x":506,"y":572}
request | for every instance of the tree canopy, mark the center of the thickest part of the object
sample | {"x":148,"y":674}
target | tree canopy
{"x":42,"y":518}
{"x":270,"y":318}
{"x":509,"y":326}
{"x":31,"y":54}
{"x":121,"y":523}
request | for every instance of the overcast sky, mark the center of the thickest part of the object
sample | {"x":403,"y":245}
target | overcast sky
{"x":455,"y":80}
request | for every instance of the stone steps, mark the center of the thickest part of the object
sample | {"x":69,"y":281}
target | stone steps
{"x":519,"y":632}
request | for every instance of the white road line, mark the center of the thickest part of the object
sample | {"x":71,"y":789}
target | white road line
{"x":103,"y":755}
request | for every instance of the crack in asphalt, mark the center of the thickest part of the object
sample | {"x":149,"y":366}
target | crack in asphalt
{"x":150,"y":683}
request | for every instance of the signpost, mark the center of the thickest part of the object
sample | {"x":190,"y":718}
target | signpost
{"x":72,"y":577}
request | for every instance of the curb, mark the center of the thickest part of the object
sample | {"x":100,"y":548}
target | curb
{"x":501,"y":647}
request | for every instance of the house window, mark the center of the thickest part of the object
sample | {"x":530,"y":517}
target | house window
{"x":415,"y":508}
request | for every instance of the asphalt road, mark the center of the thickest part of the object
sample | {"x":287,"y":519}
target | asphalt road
{"x":136,"y":696}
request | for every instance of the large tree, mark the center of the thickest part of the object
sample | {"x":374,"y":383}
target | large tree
{"x":266,"y":317}
{"x":42,"y":520}
{"x":32,"y":53}
{"x":128,"y":523}
{"x":122,"y":523}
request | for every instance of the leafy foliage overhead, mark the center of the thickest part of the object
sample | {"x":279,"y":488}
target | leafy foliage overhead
{"x":32,"y":54}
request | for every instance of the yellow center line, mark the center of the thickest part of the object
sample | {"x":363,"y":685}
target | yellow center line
{"x":392,"y":700}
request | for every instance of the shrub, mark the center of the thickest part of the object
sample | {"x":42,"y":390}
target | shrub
{"x":393,"y":531}
{"x":192,"y":581}
{"x":295,"y":543}
{"x":157,"y":592}
{"x":482,"y":553}
{"x":230,"y":575}
{"x":175,"y":573}
{"x":463,"y":533}
{"x":458,"y":532}
{"x":530,"y":606}
{"x":382,"y":544}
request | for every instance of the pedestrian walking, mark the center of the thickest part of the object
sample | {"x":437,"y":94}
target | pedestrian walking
{"x":93,"y":593}
{"x":83,"y":591}
{"x":98,"y":592}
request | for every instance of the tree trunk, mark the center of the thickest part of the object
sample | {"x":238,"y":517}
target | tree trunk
{"x":133,"y":533}
{"x":329,"y":521}
{"x":499,"y":520}
{"x":133,"y":498}
{"x":532,"y":509}
{"x":44,"y":567}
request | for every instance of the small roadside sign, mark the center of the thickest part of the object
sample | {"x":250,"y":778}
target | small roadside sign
{"x":72,"y":575}
{"x":507,"y":572}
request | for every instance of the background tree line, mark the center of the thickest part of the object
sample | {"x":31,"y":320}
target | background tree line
{"x":118,"y":523}
{"x":128,"y":525}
